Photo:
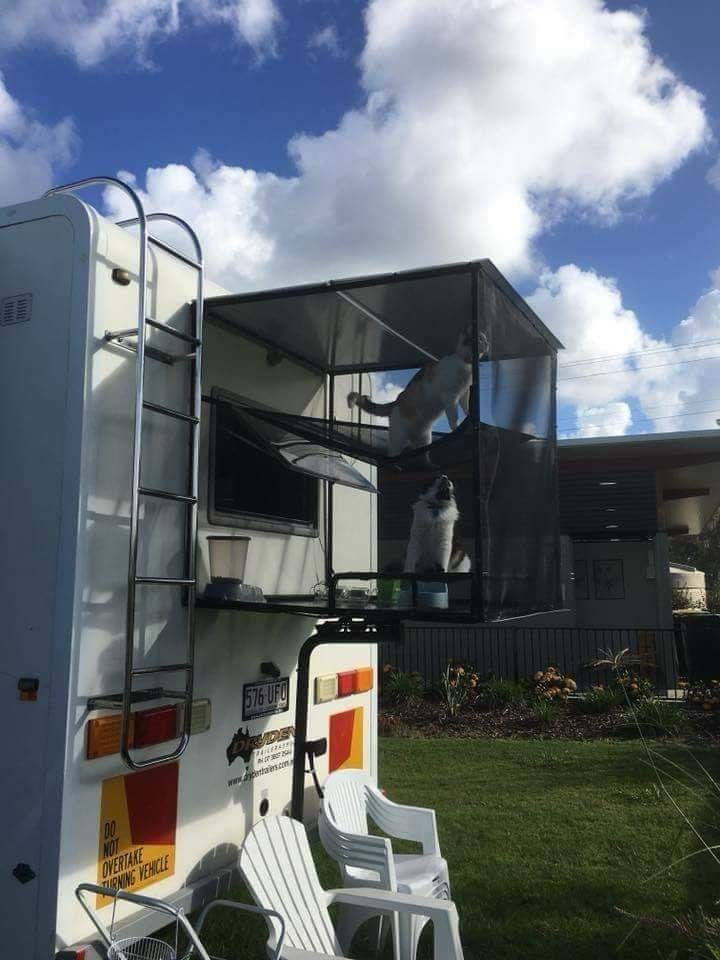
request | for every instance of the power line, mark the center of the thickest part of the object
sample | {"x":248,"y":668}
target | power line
{"x":677,"y":416}
{"x":656,"y":406}
{"x":642,"y":353}
{"x":655,"y":366}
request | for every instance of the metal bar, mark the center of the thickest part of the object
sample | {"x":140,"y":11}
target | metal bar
{"x":137,"y":442}
{"x":161,"y":243}
{"x":330,"y":582}
{"x":234,"y":905}
{"x":270,"y":345}
{"x":113,"y":701}
{"x":375,"y":575}
{"x":326,"y":633}
{"x":150,"y":352}
{"x":157,"y":325}
{"x":164,"y":668}
{"x":166,"y":581}
{"x":166,"y":495}
{"x":191,"y":532}
{"x":160,"y":906}
{"x":381,"y":323}
{"x":192,"y":520}
{"x":121,"y":334}
{"x":169,"y":412}
{"x":477,"y":592}
{"x":175,"y":695}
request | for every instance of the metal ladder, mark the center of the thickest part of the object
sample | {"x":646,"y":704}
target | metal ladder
{"x":133,"y":339}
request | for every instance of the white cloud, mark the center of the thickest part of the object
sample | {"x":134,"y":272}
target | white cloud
{"x":325,"y":40}
{"x":713,"y":175}
{"x":29,"y":150}
{"x":92,"y":31}
{"x":610,"y":420}
{"x":483,"y":123}
{"x":639,"y":372}
{"x":384,"y":388}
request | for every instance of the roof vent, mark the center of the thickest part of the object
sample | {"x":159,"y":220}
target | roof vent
{"x":16,"y":309}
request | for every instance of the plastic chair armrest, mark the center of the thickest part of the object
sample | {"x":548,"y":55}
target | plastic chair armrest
{"x":442,"y":913}
{"x":405,"y":822}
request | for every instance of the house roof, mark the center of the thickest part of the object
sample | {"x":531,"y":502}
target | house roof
{"x":637,"y":485}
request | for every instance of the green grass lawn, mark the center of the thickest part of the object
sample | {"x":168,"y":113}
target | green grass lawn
{"x":544,"y":840}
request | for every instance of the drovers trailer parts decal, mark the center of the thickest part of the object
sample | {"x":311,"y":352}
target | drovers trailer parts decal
{"x":346,"y":740}
{"x":262,"y":754}
{"x":138,"y":818}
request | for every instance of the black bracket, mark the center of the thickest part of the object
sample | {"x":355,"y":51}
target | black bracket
{"x":23,"y":872}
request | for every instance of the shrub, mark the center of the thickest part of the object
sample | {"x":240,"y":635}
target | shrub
{"x":402,"y":687}
{"x":655,"y":718}
{"x":551,"y":684}
{"x":703,"y":695}
{"x":498,"y":694}
{"x":545,"y":710}
{"x":391,"y":726}
{"x":632,"y":686}
{"x":458,"y":683}
{"x":597,"y":701}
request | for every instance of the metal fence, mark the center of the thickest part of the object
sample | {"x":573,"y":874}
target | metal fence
{"x":517,"y":653}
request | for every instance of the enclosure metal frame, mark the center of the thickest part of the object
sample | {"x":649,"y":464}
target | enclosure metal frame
{"x":476,"y":269}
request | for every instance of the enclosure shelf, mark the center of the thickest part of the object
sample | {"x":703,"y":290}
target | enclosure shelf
{"x":294,"y":436}
{"x":319,"y":609}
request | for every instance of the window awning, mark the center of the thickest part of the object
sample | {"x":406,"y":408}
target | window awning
{"x":294,"y":450}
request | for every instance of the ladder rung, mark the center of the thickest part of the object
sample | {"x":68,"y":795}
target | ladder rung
{"x":177,"y":695}
{"x":158,"y":325}
{"x":165,"y":668}
{"x":169,"y":412}
{"x":120,"y":338}
{"x":166,"y":581}
{"x":166,"y":495}
{"x":114,"y":701}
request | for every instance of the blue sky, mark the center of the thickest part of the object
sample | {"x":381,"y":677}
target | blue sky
{"x":570,"y":141}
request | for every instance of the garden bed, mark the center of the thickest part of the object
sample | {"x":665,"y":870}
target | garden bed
{"x":427,"y":717}
{"x":548,"y":706}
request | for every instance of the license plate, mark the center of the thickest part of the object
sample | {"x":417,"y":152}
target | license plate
{"x":265,"y":697}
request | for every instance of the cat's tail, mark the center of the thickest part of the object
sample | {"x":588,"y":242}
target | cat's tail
{"x":369,"y":406}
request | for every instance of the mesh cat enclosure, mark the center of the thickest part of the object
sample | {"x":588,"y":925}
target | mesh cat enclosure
{"x":500,"y":458}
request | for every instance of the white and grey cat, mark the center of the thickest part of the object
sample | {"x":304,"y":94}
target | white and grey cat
{"x":436,"y":389}
{"x":430,"y":548}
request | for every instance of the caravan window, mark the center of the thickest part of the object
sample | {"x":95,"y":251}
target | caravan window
{"x":249,"y":488}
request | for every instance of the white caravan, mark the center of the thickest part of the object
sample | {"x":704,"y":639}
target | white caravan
{"x":142,"y":737}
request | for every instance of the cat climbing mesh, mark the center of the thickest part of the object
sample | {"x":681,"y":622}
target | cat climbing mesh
{"x":501,"y":458}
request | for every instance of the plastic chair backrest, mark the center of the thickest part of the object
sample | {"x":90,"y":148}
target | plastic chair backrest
{"x":345,"y":800}
{"x":278,"y":867}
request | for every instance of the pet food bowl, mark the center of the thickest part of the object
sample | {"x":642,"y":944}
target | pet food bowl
{"x":431,"y":594}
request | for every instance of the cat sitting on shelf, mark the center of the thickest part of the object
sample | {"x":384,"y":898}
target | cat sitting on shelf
{"x":430,"y":547}
{"x":436,"y":389}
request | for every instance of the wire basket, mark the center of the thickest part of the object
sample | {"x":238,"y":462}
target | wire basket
{"x":143,"y":948}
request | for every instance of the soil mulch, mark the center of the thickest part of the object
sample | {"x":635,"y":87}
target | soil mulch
{"x":426,"y":718}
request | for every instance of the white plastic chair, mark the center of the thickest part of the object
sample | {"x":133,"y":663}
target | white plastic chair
{"x":350,"y":797}
{"x":278,"y":867}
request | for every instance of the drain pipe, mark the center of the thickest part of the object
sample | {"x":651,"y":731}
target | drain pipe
{"x":343,"y":631}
